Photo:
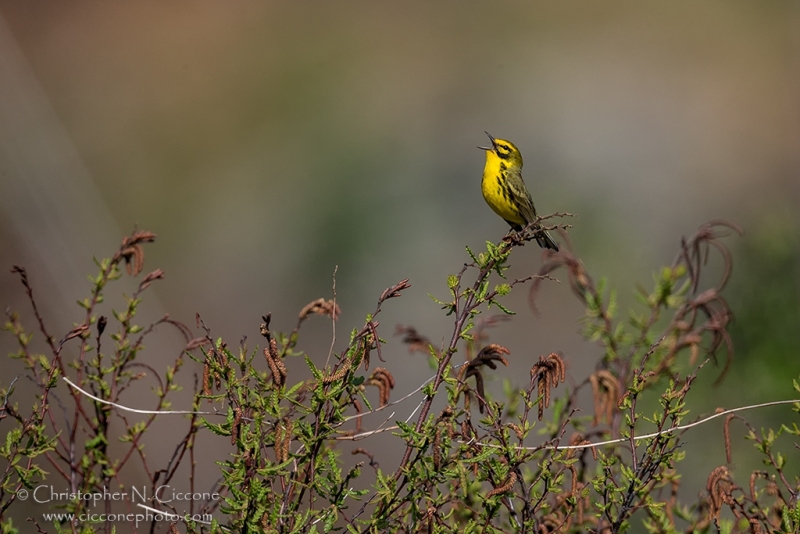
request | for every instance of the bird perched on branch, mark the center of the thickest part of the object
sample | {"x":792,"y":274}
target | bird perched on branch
{"x":505,"y":191}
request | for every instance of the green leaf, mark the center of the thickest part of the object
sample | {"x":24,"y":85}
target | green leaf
{"x":219,"y":430}
{"x":452,"y":281}
{"x":502,"y":289}
{"x":472,"y":255}
{"x":314,"y":371}
{"x":502,"y":308}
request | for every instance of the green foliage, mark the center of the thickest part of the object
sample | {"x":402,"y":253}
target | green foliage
{"x":528,"y":462}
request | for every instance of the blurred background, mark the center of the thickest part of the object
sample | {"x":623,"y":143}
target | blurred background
{"x":268,"y":144}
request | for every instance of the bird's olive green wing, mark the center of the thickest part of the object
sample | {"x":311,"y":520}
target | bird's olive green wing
{"x":520,"y":196}
{"x":524,"y":203}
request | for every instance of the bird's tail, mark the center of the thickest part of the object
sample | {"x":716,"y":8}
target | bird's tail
{"x":545,"y":240}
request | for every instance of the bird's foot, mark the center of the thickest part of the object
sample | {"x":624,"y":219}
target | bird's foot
{"x":514,"y":238}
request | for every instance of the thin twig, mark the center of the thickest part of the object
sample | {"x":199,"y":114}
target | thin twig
{"x":135,"y":410}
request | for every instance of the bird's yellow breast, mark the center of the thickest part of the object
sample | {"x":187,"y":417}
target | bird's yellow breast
{"x":495,"y":189}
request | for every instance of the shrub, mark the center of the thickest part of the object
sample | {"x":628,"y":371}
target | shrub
{"x":528,"y":463}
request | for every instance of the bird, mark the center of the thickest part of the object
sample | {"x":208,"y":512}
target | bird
{"x":505,"y":191}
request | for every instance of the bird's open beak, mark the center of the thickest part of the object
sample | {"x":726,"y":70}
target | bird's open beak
{"x":489,"y":147}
